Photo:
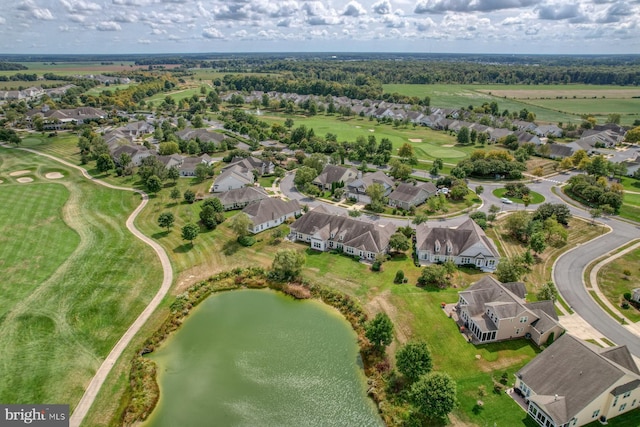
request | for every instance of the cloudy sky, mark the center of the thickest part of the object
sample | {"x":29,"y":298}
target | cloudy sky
{"x":465,"y":26}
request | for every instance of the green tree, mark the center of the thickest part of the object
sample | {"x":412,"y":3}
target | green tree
{"x":633,"y":135}
{"x":463,"y":136}
{"x":379,"y":331}
{"x":414,"y":360}
{"x":434,"y":395}
{"x":197,"y":121}
{"x":208,"y":217}
{"x":547,"y":292}
{"x":239,"y":224}
{"x":510,"y":270}
{"x":287,"y":264}
{"x":419,"y":219}
{"x":316,"y":161}
{"x":189,"y":196}
{"x":406,"y":151}
{"x":166,"y":220}
{"x":479,"y":189}
{"x":215,"y":203}
{"x":154,"y":184}
{"x":434,"y":275}
{"x":399,"y":170}
{"x":168,"y":148}
{"x":175,"y":194}
{"x":376,"y":193}
{"x":173,"y":173}
{"x":304,"y":176}
{"x":104,"y":163}
{"x":190,"y":231}
{"x":202,"y":172}
{"x":399,"y":242}
{"x":9,"y":135}
{"x":538,"y":242}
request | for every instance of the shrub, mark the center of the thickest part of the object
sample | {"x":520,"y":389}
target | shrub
{"x":551,"y":338}
{"x":626,"y":272}
{"x":399,"y":277}
{"x":376,"y":266}
{"x":247,"y":241}
{"x":627,"y":296}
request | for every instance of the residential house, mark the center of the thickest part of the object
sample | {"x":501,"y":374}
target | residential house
{"x":173,"y":160}
{"x":465,"y":244}
{"x":188,"y":166}
{"x":232,"y":177}
{"x":262,"y":167}
{"x":202,"y":135}
{"x":526,"y":137}
{"x":573,"y":383}
{"x":499,"y":133}
{"x":525,"y":126}
{"x":137,"y":129}
{"x":270,"y":212}
{"x":334,"y":174}
{"x":559,"y":151}
{"x":407,"y":195}
{"x":136,"y":152}
{"x":357,"y":188}
{"x":548,"y":130}
{"x":326,"y":231}
{"x":494,"y":311}
{"x":59,"y":119}
{"x":240,"y":197}
{"x":635,"y":296}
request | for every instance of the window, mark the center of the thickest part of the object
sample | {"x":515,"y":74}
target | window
{"x":627,"y":394}
{"x":633,"y":403}
{"x":615,"y":401}
{"x":518,"y":330}
{"x":491,"y":262}
{"x":622,"y":407}
{"x":523,"y":319}
{"x":595,"y":413}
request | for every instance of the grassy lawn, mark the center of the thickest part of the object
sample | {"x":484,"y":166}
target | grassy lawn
{"x":630,"y":184}
{"x":266,"y":181}
{"x":613,"y":281}
{"x":631,"y":207}
{"x":98,"y":90}
{"x":74,"y":279}
{"x":579,"y":232}
{"x":417,"y":315}
{"x":536,"y":198}
{"x":432,"y":145}
{"x":176,"y":95}
{"x":64,"y":145}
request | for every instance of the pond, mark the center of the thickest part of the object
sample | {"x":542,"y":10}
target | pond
{"x":260,"y":358}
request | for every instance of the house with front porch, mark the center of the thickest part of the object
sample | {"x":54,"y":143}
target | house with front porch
{"x":573,"y":383}
{"x":231,"y":178}
{"x":465,"y":244}
{"x":326,"y":231}
{"x":357,"y":188}
{"x":240,"y":197}
{"x":407,"y":194}
{"x":334,"y":174}
{"x":494,"y":311}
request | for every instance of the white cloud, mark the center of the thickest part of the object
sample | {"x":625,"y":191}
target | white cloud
{"x":212,"y":33}
{"x":355,"y":9}
{"x":77,"y":18}
{"x":80,"y":5}
{"x":42,"y":14}
{"x":2,"y":20}
{"x":144,"y":41}
{"x":383,"y":7}
{"x":108,"y":26}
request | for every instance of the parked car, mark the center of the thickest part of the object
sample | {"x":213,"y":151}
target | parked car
{"x":505,"y":200}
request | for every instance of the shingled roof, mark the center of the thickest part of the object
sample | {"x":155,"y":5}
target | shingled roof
{"x":332,"y":173}
{"x":242,"y":195}
{"x":407,"y":192}
{"x":366,"y":236}
{"x":454,"y":240}
{"x":270,"y":209}
{"x":571,"y":373}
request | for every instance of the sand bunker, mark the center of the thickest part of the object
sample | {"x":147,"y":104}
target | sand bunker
{"x":24,"y":180}
{"x":0,"y":181}
{"x":372,"y":130}
{"x":415,"y":140}
{"x":54,"y":175}
{"x":18,"y":173}
{"x":448,"y":145}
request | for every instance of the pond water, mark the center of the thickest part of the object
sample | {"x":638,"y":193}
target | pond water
{"x":260,"y":358}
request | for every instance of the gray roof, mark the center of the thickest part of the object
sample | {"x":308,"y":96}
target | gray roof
{"x":269,"y":209}
{"x":203,"y":135}
{"x":242,"y":195}
{"x":453,"y":241}
{"x":368,"y":179}
{"x":238,"y":172}
{"x":333,"y":173}
{"x":358,"y":234}
{"x":249,"y":163}
{"x":406,"y":192}
{"x":560,"y":150}
{"x":488,"y":291}
{"x":570,"y":374}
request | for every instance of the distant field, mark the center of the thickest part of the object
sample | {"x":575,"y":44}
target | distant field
{"x":176,"y":95}
{"x":73,"y":278}
{"x":98,"y":90}
{"x":14,"y":85}
{"x":518,"y":97}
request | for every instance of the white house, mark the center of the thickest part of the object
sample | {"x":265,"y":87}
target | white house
{"x":270,"y":212}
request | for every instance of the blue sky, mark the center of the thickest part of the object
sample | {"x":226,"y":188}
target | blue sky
{"x":464,"y":26}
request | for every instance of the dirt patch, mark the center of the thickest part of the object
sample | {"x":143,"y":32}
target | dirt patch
{"x":54,"y":175}
{"x":501,"y":363}
{"x":448,"y":145}
{"x":415,"y":140}
{"x":19,"y":173}
{"x":382,"y":303}
{"x":24,"y":180}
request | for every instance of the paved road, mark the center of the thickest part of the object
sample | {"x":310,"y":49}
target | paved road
{"x":98,"y":379}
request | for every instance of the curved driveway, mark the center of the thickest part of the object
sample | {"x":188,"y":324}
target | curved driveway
{"x":568,"y":271}
{"x":98,"y":379}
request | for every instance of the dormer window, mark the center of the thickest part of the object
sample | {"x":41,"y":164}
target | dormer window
{"x":449,"y":248}
{"x":437,"y":248}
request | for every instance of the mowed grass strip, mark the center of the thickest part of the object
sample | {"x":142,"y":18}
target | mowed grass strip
{"x":618,"y":277}
{"x":81,"y":302}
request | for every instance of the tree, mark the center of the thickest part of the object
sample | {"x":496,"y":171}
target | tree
{"x":189,"y":196}
{"x":202,"y":172}
{"x":463,"y":136}
{"x":434,"y":395}
{"x":517,"y":224}
{"x":633,"y":135}
{"x":316,"y":161}
{"x":578,"y":157}
{"x":104,"y":163}
{"x":566,"y":163}
{"x":287,"y":264}
{"x":538,"y":172}
{"x":9,"y":135}
{"x":208,"y":217}
{"x":538,"y":242}
{"x":547,"y":292}
{"x":399,"y":170}
{"x":304,"y":176}
{"x":414,"y":360}
{"x":406,"y":151}
{"x":215,"y":203}
{"x":166,"y":220}
{"x":154,"y":184}
{"x":173,"y":173}
{"x":190,"y":231}
{"x":168,"y":148}
{"x":376,"y":193}
{"x":419,"y":219}
{"x":510,"y":270}
{"x":379,"y":331}
{"x":175,"y":194}
{"x":240,"y":224}
{"x":479,"y":189}
{"x":399,"y":242}
{"x":435,"y":275}
{"x":595,"y":214}
{"x":559,"y":210}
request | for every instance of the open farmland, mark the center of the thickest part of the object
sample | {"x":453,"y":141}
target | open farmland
{"x":74,"y":278}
